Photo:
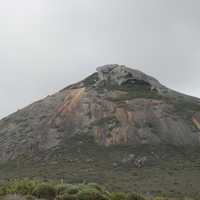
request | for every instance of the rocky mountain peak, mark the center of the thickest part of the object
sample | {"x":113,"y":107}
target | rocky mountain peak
{"x":116,"y":105}
{"x":120,"y":74}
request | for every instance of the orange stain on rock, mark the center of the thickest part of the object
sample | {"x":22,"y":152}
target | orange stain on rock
{"x":71,"y":101}
{"x":196,"y":121}
{"x":124,"y":116}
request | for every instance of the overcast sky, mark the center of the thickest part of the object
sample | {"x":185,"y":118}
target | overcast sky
{"x":47,"y":44}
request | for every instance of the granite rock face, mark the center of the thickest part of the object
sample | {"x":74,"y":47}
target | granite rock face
{"x":116,"y":106}
{"x":119,"y":74}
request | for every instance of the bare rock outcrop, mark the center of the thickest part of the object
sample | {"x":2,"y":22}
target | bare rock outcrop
{"x":119,"y":74}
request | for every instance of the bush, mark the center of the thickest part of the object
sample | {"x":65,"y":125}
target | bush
{"x":96,"y":186}
{"x":32,"y":190}
{"x":66,"y":197}
{"x":161,"y":198}
{"x":134,"y":196}
{"x":30,"y":197}
{"x":60,"y":189}
{"x":118,"y":196}
{"x":45,"y":190}
{"x":91,"y":195}
{"x":73,"y":191}
{"x":3,"y":191}
{"x":23,"y":187}
{"x":14,"y":197}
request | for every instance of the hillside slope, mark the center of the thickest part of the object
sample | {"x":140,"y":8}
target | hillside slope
{"x":116,"y":105}
{"x":117,"y":124}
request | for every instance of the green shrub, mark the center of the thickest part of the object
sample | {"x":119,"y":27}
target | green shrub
{"x":60,"y":189}
{"x":66,"y":189}
{"x":30,"y":197}
{"x":14,"y":197}
{"x":66,"y":192}
{"x":96,"y":186}
{"x":66,"y":197}
{"x":73,"y":191}
{"x":3,"y":191}
{"x":134,"y":196}
{"x":45,"y":190}
{"x":118,"y":196}
{"x":23,"y":187}
{"x":91,"y":195}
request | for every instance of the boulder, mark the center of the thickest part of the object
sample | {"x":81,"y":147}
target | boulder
{"x":120,"y":74}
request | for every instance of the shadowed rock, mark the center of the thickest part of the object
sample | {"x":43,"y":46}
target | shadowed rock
{"x":119,"y":74}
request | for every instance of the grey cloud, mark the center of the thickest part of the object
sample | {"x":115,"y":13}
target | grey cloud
{"x":47,"y":44}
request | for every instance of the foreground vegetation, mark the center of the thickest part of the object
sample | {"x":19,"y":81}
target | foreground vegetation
{"x":34,"y":189}
{"x":27,"y":189}
{"x":168,"y":171}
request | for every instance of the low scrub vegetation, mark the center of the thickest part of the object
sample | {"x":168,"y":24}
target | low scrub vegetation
{"x":35,"y":190}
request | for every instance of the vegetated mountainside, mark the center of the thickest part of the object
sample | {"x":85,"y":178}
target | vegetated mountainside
{"x":119,"y":126}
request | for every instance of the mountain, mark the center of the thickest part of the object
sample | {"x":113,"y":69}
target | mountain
{"x":113,"y":121}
